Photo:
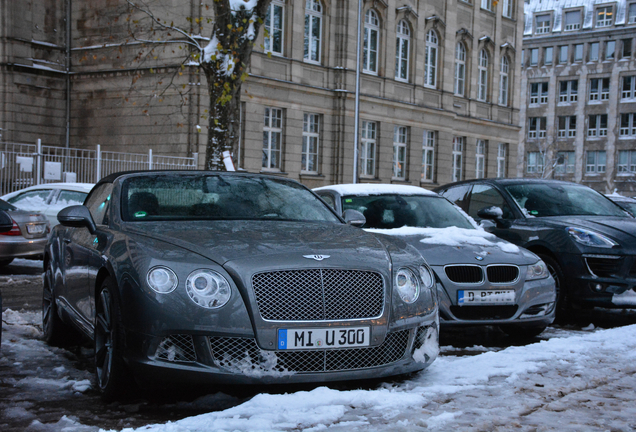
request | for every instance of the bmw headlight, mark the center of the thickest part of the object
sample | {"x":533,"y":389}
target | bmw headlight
{"x":426,"y":275}
{"x":537,"y":270}
{"x":162,"y":279}
{"x":208,"y":288}
{"x":590,"y":238}
{"x":407,"y":285}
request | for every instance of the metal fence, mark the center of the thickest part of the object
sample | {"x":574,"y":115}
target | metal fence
{"x":23,"y":165}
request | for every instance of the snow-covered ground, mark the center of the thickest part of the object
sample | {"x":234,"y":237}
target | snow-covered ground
{"x":577,"y":380}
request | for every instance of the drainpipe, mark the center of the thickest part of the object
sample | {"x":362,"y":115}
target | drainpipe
{"x":356,"y":132}
{"x":68,"y":73}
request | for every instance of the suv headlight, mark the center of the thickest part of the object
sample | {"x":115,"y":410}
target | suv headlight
{"x":208,"y":288}
{"x":162,"y":279}
{"x":407,"y":285}
{"x":590,"y":238}
{"x":537,"y":270}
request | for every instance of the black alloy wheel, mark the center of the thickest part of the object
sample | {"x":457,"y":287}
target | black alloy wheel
{"x":554,"y":268}
{"x":56,"y":332}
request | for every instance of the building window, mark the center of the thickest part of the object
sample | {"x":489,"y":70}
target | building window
{"x":567,"y":127}
{"x":311,"y":141}
{"x":629,"y":87}
{"x":595,"y":162}
{"x":534,"y":56}
{"x":483,"y":75}
{"x":564,"y":163}
{"x":563,"y":54}
{"x":572,"y":20}
{"x":400,"y":137}
{"x":503,"y":81}
{"x":403,"y":43}
{"x":480,"y":159}
{"x":367,"y":153}
{"x":272,"y":138}
{"x":604,"y":16}
{"x":568,"y":91}
{"x":313,"y":30}
{"x":535,"y":163}
{"x":274,"y":27}
{"x":371,"y":42}
{"x":460,"y":69}
{"x":627,"y":48}
{"x":628,"y":125}
{"x":507,"y":8}
{"x":597,"y":126}
{"x":486,"y":4}
{"x":537,"y":127}
{"x":594,"y":49}
{"x":538,"y":93}
{"x":632,"y":14}
{"x":543,"y":24}
{"x":458,"y":152}
{"x":502,"y":154}
{"x":599,"y":89}
{"x":428,"y":155}
{"x":626,"y":162}
{"x":578,"y":52}
{"x":548,"y":55}
{"x":610,"y":50}
{"x":430,"y":59}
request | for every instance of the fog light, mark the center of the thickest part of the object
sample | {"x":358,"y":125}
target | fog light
{"x":537,"y":311}
{"x":597,"y":287}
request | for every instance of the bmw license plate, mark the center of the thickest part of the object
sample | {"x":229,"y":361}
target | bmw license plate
{"x":321,"y":338}
{"x":35,"y":228}
{"x":480,"y":297}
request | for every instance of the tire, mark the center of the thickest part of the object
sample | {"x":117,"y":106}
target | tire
{"x":5,"y":262}
{"x":518,"y":332}
{"x":110,"y":370}
{"x":56,"y":332}
{"x":562,"y":303}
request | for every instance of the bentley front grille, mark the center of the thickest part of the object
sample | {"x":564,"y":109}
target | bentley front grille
{"x":239,"y":354}
{"x":502,"y":273}
{"x":318,"y":294}
{"x":177,"y":348}
{"x":464,"y":273}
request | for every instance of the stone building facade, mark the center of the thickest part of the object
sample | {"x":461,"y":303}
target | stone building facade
{"x":438,"y":87}
{"x":578,"y":94}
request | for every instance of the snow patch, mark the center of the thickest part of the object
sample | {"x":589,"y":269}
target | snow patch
{"x":362,"y":189}
{"x":628,"y":298}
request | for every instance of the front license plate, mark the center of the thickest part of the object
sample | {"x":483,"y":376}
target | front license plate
{"x":320,"y":338}
{"x":469,"y":297}
{"x":36,"y":229}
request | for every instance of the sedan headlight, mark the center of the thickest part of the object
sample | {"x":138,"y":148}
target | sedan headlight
{"x":407,"y":285}
{"x":208,"y":288}
{"x":162,"y":279}
{"x":590,"y":238}
{"x":537,"y":270}
{"x":426,"y":274}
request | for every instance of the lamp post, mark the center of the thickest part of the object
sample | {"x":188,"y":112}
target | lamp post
{"x":356,"y":133}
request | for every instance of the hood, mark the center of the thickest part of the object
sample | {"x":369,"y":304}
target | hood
{"x":452,"y":245}
{"x":623,"y":229}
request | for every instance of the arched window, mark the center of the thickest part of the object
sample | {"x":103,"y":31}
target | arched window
{"x":371,"y":42}
{"x":313,"y":30}
{"x":503,"y":81}
{"x":460,"y":69}
{"x":402,"y":51}
{"x":483,"y":75}
{"x":430,"y":59}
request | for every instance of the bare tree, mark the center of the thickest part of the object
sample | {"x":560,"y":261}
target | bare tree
{"x":224,"y":58}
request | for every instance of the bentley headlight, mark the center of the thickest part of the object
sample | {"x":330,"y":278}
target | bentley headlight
{"x":426,"y":275}
{"x":407,"y":285}
{"x":537,"y":270}
{"x":162,"y":279}
{"x":590,"y":238}
{"x":208,"y":288}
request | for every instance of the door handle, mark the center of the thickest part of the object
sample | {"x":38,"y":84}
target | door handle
{"x":67,"y":241}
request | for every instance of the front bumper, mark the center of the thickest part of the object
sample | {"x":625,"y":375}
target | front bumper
{"x":18,"y":246}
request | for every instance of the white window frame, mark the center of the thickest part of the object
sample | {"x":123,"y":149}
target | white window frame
{"x":595,"y":162}
{"x":428,"y":156}
{"x":502,"y":156}
{"x":272,"y":147}
{"x":503,"y":81}
{"x":572,"y":26}
{"x":535,"y":162}
{"x":563,"y":52}
{"x":626,"y":162}
{"x":534,"y":56}
{"x":543,"y":26}
{"x":484,"y":61}
{"x":598,"y":91}
{"x":311,"y":143}
{"x":271,"y":32}
{"x":487,"y":5}
{"x":595,"y":51}
{"x":578,"y":52}
{"x":312,"y":43}
{"x":400,"y":139}
{"x":603,"y":16}
{"x":430,"y":59}
{"x":627,"y":130}
{"x":368,"y":140}
{"x":370,"y":53}
{"x":458,"y":156}
{"x":594,"y":126}
{"x":568,"y":128}
{"x":539,"y":131}
{"x":571,"y":93}
{"x":460,"y":69}
{"x":402,"y":51}
{"x":631,"y":14}
{"x":548,"y":59}
{"x":610,"y":50}
{"x":506,"y":10}
{"x":480,"y":158}
{"x":631,"y":92}
{"x":567,"y":167}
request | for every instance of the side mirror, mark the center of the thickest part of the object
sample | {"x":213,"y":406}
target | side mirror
{"x":77,"y":216}
{"x":491,"y":213}
{"x":354,"y":218}
{"x":487,"y":225}
{"x":6,"y":223}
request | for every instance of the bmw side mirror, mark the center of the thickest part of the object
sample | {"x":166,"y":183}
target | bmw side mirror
{"x":354,"y":218}
{"x":6,"y":223}
{"x":77,"y":216}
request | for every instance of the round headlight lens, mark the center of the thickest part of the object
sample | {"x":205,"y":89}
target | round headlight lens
{"x":426,"y":274}
{"x":537,"y":271}
{"x":208,"y":289}
{"x":407,"y":285}
{"x":162,"y":279}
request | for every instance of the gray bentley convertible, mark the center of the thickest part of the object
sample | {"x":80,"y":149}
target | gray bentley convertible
{"x":214,"y":277}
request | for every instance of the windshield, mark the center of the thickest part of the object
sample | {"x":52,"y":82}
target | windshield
{"x":557,"y":199}
{"x":219,"y":197}
{"x":630,"y":206}
{"x":6,"y":206}
{"x":395,"y":211}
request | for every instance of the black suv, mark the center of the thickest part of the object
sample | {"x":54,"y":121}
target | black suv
{"x":587,"y":241}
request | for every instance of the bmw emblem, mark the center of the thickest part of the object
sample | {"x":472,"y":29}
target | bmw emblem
{"x":479,"y":258}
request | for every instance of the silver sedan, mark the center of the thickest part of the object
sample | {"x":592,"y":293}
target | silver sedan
{"x":26,"y":238}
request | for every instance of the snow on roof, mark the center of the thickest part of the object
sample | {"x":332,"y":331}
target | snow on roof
{"x":376,"y":189}
{"x":558,"y":6}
